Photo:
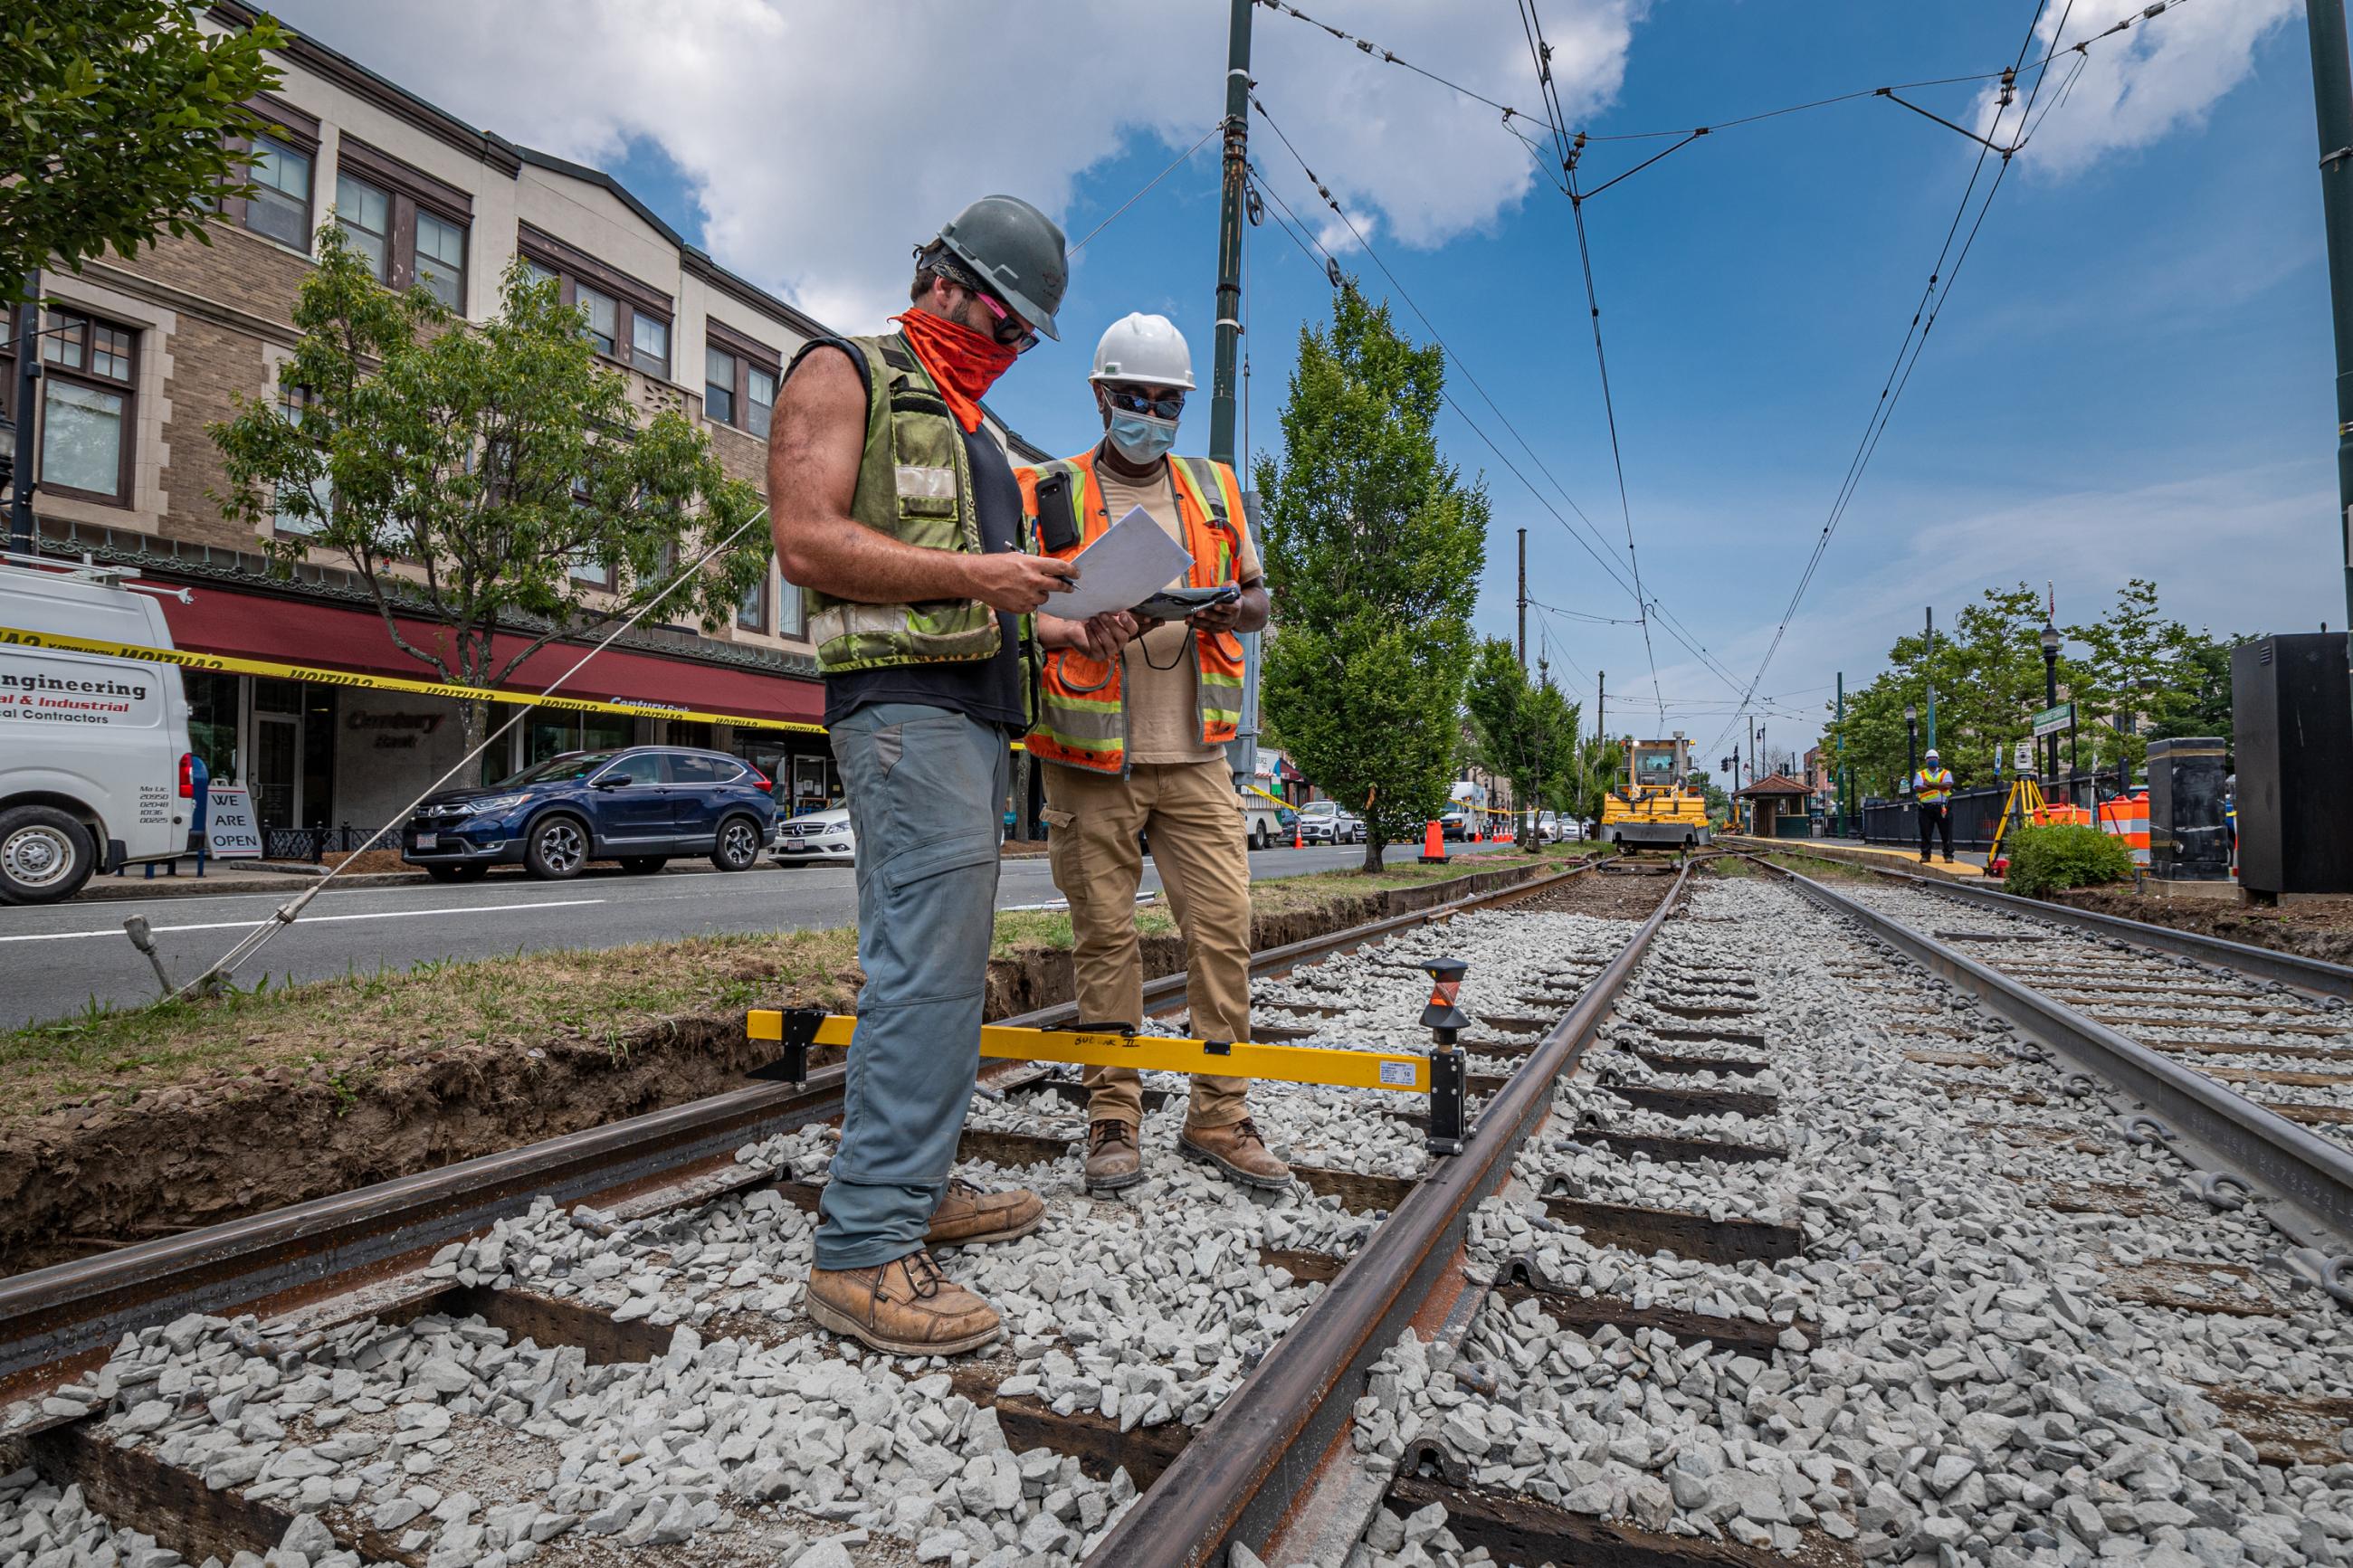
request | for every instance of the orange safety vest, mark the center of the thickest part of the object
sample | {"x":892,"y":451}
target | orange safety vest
{"x":1933,"y":787}
{"x":1081,"y":709}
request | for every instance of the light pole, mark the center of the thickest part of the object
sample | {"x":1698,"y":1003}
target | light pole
{"x":1911,"y":744}
{"x":2049,"y":637}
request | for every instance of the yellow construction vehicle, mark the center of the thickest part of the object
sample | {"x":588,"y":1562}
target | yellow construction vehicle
{"x":1657,"y":807}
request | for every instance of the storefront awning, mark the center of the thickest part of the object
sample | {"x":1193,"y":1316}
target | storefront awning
{"x":296,"y":639}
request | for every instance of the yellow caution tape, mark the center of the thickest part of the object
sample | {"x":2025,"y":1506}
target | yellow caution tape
{"x":225,"y":664}
{"x":1400,"y":1071}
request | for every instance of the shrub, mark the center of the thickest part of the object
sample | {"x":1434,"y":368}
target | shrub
{"x":2065,"y":855}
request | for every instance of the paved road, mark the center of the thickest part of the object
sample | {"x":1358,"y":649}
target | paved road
{"x":56,"y":958}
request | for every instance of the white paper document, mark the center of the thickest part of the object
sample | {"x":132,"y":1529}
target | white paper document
{"x":1133,"y":559}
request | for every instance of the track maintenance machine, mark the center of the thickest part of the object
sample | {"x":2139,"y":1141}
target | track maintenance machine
{"x":1657,"y":807}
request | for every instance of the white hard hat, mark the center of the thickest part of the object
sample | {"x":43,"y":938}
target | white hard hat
{"x":1930,"y":754}
{"x":1146,"y":350}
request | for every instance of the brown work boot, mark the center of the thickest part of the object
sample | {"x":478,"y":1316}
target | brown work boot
{"x":1114,"y":1161}
{"x":1237,"y":1151}
{"x":967,"y":1215}
{"x":906,"y":1307}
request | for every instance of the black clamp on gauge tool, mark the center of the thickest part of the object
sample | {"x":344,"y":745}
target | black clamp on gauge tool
{"x":800,"y":1027}
{"x":1443,"y":1019}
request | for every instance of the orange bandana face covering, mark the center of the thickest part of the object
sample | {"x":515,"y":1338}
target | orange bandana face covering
{"x":963,"y":363}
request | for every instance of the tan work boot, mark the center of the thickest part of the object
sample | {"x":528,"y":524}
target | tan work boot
{"x":1114,"y":1161}
{"x":1237,"y":1151}
{"x":967,"y":1215}
{"x":906,"y":1307}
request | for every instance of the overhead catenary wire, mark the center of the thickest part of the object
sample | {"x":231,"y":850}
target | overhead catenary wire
{"x":1934,"y":297}
{"x":1568,"y":150}
{"x":246,"y":947}
{"x":1175,"y":164}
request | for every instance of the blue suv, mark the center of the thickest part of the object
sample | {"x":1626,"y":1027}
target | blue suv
{"x":641,"y":806}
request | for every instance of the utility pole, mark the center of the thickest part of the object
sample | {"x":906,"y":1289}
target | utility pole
{"x":1932,"y":677}
{"x":1838,"y":780}
{"x":1230,"y":219}
{"x":1523,"y":601}
{"x":1242,"y":751}
{"x":1600,"y":706}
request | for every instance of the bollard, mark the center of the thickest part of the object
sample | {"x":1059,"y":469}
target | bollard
{"x":1442,"y":1019}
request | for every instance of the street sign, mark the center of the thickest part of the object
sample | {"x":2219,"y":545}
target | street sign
{"x":231,"y":830}
{"x":2022,"y":758}
{"x":2050,"y":721}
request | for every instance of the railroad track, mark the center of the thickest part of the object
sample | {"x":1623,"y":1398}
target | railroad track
{"x":1767,"y":1245}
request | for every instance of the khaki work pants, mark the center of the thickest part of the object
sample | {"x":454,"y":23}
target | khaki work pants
{"x":1196,"y":829}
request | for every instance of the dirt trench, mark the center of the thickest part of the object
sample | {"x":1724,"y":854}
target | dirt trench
{"x":2318,"y":928}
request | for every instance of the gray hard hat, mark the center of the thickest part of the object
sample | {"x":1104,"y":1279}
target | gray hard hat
{"x":1018,"y":252}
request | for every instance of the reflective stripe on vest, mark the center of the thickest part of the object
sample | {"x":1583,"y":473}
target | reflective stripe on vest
{"x":914,"y":485}
{"x":1083,"y":709}
{"x":1934,"y":786}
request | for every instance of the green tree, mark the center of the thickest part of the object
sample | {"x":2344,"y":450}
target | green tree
{"x":115,"y":114}
{"x":485,"y":480}
{"x":1526,"y":731}
{"x":1599,"y":767}
{"x":2198,"y":700}
{"x":2134,"y":658}
{"x":1373,"y":548}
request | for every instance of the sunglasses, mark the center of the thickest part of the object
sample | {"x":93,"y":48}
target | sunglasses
{"x":1012,"y":332}
{"x":1129,"y":401}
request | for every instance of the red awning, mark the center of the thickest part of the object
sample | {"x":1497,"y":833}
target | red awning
{"x":304,"y":631}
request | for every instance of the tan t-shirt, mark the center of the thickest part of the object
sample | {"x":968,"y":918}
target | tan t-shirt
{"x":1159,"y":678}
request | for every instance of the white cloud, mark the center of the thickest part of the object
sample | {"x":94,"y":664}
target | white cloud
{"x":2165,"y":72}
{"x":824,"y":139}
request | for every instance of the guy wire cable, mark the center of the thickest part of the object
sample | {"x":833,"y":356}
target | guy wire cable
{"x":285,"y":914}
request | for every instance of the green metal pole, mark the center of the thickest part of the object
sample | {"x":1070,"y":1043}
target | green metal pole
{"x":1932,"y":677}
{"x":1842,"y":756}
{"x":2332,"y":94}
{"x":1230,"y":219}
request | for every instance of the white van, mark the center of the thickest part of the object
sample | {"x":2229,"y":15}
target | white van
{"x":96,"y":769}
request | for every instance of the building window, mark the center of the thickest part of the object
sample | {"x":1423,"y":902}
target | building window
{"x":292,"y":401}
{"x":279,"y":206}
{"x":627,"y":323}
{"x":441,"y":258}
{"x":719,"y":386}
{"x":752,"y":614}
{"x":586,"y":568}
{"x":86,"y":408}
{"x":650,"y":343}
{"x":604,"y":318}
{"x":760,"y":402}
{"x":737,"y":388}
{"x":366,"y":214}
{"x":788,"y":609}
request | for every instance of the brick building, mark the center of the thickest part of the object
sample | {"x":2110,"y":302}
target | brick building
{"x":139,"y":356}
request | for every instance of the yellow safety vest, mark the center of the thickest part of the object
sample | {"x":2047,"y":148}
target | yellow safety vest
{"x":1933,"y":787}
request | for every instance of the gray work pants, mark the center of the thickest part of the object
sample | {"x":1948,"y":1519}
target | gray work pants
{"x":926,"y":792}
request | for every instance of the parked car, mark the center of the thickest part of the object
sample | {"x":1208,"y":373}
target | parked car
{"x":96,"y":769}
{"x":820,"y":836}
{"x":1548,"y":828}
{"x":642,"y":806}
{"x":1323,"y":822}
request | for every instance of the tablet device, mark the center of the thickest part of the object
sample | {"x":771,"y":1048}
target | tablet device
{"x":1176,"y":603}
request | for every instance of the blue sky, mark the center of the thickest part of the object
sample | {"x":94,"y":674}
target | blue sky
{"x":2132,"y":376}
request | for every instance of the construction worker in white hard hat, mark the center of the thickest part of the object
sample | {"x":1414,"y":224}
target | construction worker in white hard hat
{"x":1135,"y":743}
{"x":1932,"y":790}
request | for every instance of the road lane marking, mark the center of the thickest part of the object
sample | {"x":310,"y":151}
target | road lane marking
{"x":314,"y":920}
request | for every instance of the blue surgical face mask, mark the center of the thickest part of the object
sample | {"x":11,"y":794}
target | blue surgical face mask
{"x":1141,"y":437}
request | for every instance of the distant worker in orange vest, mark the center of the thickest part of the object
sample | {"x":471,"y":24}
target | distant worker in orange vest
{"x":1135,"y":745}
{"x":1932,"y":787}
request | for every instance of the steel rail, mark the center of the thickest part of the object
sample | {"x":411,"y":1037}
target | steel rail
{"x":53,"y":1315}
{"x":2294,"y":1171}
{"x":1263,"y":1449}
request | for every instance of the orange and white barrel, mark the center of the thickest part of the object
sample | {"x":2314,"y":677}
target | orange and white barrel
{"x":2129,"y":819}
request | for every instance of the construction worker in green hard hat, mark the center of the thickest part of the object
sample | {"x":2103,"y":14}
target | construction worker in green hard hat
{"x":895,"y":508}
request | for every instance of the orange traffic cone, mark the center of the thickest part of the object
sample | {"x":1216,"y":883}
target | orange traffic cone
{"x":1298,"y":839}
{"x":1433,"y":845}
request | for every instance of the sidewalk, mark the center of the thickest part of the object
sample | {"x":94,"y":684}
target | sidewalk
{"x":1967,"y":865}
{"x":231,"y":876}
